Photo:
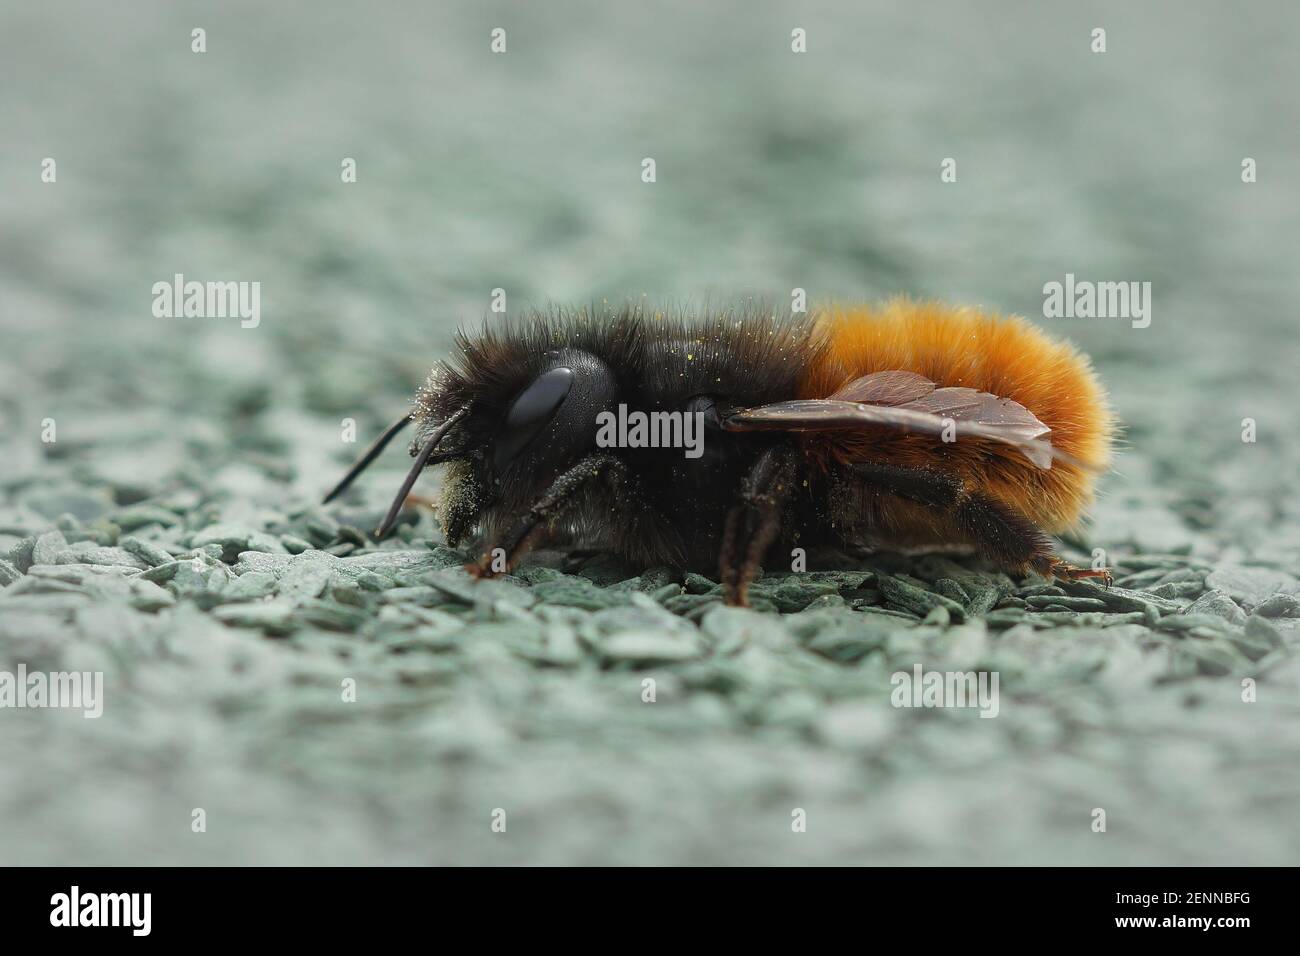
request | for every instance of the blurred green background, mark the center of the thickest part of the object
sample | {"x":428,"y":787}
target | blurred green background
{"x":522,"y":171}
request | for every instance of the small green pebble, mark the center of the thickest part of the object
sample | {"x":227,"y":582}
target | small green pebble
{"x":147,"y":552}
{"x":293,"y":544}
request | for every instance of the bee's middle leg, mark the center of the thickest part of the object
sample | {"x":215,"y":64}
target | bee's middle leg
{"x":754,"y":524}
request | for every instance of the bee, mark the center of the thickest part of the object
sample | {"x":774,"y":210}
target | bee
{"x":905,"y":425}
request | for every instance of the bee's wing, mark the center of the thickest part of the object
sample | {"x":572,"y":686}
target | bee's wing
{"x":894,"y":387}
{"x":909,"y":402}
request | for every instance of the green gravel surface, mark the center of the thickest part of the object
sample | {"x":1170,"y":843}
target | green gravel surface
{"x":169,"y":536}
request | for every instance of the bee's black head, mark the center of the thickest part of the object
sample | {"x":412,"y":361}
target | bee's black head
{"x":527,"y":396}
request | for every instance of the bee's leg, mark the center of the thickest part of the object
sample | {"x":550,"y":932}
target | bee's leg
{"x":562,"y":494}
{"x":753,"y":525}
{"x":1068,"y":572}
{"x":1001,"y":533}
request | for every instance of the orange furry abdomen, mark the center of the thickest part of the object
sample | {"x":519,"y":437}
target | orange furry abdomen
{"x":966,"y":347}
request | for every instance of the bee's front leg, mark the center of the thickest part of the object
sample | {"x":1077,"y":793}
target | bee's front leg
{"x":562,"y":495}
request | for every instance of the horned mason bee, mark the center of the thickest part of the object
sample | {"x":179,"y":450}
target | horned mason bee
{"x":904,"y":425}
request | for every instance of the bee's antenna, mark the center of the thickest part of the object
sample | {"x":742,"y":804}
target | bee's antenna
{"x":370,"y":455}
{"x":420,"y":461}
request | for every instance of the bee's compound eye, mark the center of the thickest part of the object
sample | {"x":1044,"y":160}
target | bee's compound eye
{"x":531,"y":411}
